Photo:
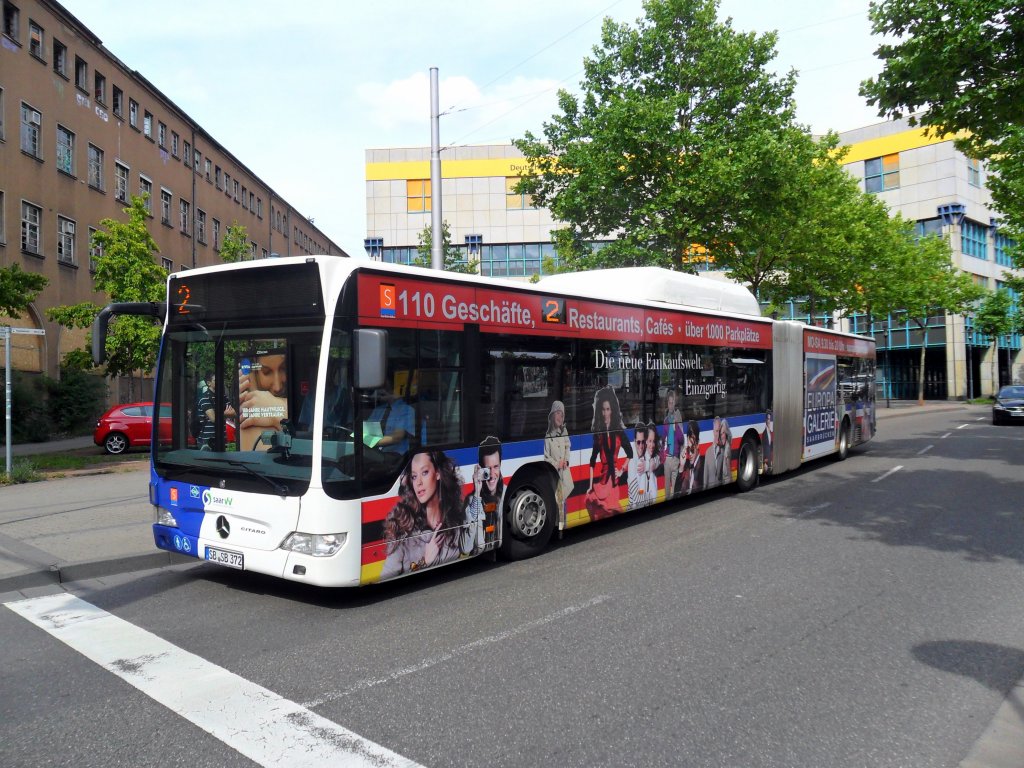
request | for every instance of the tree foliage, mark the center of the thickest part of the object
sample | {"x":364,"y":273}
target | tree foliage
{"x":960,"y":64}
{"x":673,"y":142}
{"x":453,"y":257}
{"x":234,"y":246}
{"x":126,"y":270}
{"x":18,"y":289}
{"x":996,"y":316}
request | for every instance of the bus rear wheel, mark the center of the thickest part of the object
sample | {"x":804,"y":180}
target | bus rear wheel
{"x":746,"y":466}
{"x":843,"y":449}
{"x":529,"y":520}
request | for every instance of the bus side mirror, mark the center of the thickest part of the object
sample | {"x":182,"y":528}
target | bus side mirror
{"x":371,"y":348}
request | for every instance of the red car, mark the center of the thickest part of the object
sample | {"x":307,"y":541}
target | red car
{"x":131,"y":425}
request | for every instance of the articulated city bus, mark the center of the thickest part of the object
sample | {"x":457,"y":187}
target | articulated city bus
{"x":391,"y":419}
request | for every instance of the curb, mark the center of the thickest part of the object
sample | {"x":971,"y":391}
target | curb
{"x":62,"y":573}
{"x":103,"y":469}
{"x":893,"y":413}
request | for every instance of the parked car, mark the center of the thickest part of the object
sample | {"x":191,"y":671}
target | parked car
{"x":1009,"y":405}
{"x":131,"y":425}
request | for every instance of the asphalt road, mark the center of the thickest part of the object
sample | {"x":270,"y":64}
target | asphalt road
{"x":864,"y":613}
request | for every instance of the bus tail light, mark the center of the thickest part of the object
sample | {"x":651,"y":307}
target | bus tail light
{"x":315,"y":544}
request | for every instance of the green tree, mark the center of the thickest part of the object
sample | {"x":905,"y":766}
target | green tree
{"x":916,"y":277}
{"x":959,"y":64}
{"x":666,"y":146}
{"x":234,"y":246}
{"x":453,"y":257}
{"x":18,"y":289}
{"x":126,"y":271}
{"x":995,"y":317}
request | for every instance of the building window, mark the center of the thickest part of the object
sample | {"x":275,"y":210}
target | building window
{"x":31,"y":128}
{"x":882,"y":173}
{"x":95,"y":167}
{"x":81,"y":74}
{"x":147,"y":124}
{"x":374,"y":247}
{"x":118,"y":102}
{"x":227,"y":183}
{"x":259,"y":208}
{"x":515,"y":201}
{"x":99,"y":89}
{"x":95,"y":250}
{"x":201,"y":226}
{"x":186,"y":158}
{"x":245,"y":200}
{"x":174,"y":144}
{"x":417,"y":194}
{"x":165,"y":207}
{"x":35,"y":40}
{"x":197,"y":161}
{"x":11,"y":21}
{"x":252,"y":202}
{"x":121,"y":182}
{"x":161,"y":135}
{"x":974,"y":172}
{"x":146,"y":193}
{"x":65,"y":240}
{"x":217,"y":177}
{"x":473,"y":245}
{"x":974,"y":239}
{"x":252,"y":251}
{"x":184,"y":216}
{"x":1,"y":114}
{"x":3,"y":230}
{"x":31,"y":219}
{"x":133,"y":113}
{"x":167,"y":264}
{"x":235,"y":189}
{"x":65,"y":150}
{"x":216,"y":235}
{"x":60,"y":58}
{"x":209,"y":169}
{"x":1004,"y":249}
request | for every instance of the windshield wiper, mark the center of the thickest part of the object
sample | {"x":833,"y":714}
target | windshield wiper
{"x":280,"y":488}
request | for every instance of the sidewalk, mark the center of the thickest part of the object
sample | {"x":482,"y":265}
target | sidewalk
{"x":50,"y":534}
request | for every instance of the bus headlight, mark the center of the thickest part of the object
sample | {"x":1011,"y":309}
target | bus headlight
{"x":315,"y":544}
{"x":164,"y":517}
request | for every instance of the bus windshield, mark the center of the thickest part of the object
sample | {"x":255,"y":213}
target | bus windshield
{"x":242,"y":406}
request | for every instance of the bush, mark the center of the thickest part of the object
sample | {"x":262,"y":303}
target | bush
{"x":30,"y":422}
{"x":22,"y":471}
{"x":76,"y":401}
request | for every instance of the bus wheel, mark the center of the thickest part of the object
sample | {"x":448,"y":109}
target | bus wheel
{"x":844,"y":441}
{"x":529,"y":521}
{"x":746,"y":466}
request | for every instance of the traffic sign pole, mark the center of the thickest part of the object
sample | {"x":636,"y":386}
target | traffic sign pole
{"x":6,"y":332}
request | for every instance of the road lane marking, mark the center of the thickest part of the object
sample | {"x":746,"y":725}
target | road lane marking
{"x":925,"y":449}
{"x":268,"y":729}
{"x":891,"y":471}
{"x":963,"y":425}
{"x":946,"y":435}
{"x":482,"y":642}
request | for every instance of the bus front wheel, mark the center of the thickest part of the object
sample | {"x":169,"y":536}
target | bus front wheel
{"x":746,"y":466}
{"x":529,"y":520}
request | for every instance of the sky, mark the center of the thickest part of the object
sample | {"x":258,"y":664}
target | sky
{"x":299,"y":97}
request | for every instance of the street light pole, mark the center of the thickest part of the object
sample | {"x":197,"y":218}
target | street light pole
{"x":436,"y":246}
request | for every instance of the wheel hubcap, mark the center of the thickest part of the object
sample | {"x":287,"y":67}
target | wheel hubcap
{"x":528,"y":514}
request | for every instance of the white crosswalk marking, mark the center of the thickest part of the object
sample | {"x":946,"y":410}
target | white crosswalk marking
{"x":261,"y":725}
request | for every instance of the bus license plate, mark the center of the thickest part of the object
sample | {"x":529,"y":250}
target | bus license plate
{"x":225,"y":557}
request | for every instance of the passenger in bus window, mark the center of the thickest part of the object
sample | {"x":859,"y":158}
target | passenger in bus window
{"x":397,"y":421}
{"x":205,"y":407}
{"x":670,"y":442}
{"x":558,"y":453}
{"x":717,"y":469}
{"x":609,"y":439}
{"x":263,"y":397}
{"x":427,"y":525}
{"x":691,"y":475}
{"x":484,"y":500}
